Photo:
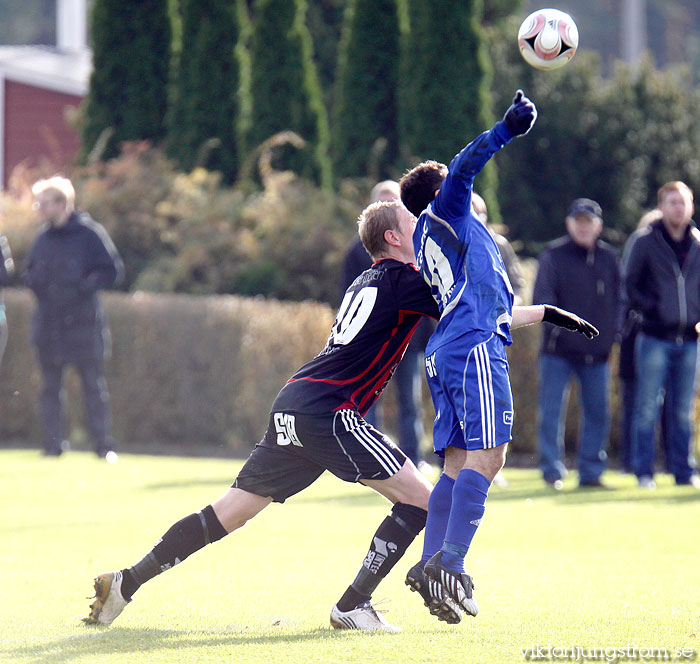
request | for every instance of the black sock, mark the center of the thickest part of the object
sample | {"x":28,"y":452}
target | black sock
{"x":389,"y":543}
{"x":182,"y":539}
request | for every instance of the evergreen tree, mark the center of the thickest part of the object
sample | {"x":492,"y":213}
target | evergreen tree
{"x":202,"y":127}
{"x":325,"y":20}
{"x":445,"y":81}
{"x":285,"y":93}
{"x":496,"y":11}
{"x":366,"y":106}
{"x":128,"y":86}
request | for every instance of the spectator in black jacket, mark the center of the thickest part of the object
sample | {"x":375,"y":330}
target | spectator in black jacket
{"x":579,"y":273}
{"x":7,"y":270}
{"x":628,"y":372}
{"x":662,"y":281}
{"x":71,"y":259}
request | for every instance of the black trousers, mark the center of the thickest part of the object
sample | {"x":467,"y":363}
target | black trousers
{"x":96,"y":402}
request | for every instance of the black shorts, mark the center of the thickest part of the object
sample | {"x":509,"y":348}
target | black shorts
{"x":297,"y":448}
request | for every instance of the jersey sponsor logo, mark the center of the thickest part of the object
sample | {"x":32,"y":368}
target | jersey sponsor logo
{"x":285,"y":426}
{"x":508,"y":417}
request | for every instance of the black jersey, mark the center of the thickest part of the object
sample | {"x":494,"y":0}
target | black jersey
{"x":374,"y":324}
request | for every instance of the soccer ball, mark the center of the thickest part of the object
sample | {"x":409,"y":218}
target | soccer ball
{"x":548,"y":39}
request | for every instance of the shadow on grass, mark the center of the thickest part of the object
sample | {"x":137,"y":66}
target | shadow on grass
{"x":360,"y":498}
{"x":594,"y":495}
{"x":223,"y":483}
{"x":99,"y":641}
{"x":517,"y":490}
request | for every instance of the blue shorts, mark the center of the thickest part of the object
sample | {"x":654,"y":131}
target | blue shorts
{"x":470,"y":387}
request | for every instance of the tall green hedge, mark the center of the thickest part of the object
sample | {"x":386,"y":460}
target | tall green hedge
{"x":285,"y":93}
{"x":192,"y":371}
{"x":184,"y":370}
{"x":366,"y":108}
{"x":127,"y":97}
{"x":203,"y":114}
{"x":445,"y":98}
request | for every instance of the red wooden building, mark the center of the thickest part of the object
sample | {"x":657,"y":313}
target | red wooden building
{"x":38,"y":87}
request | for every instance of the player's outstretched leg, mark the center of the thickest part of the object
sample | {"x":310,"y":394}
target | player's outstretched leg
{"x":365,"y":617}
{"x":434,"y":597}
{"x":392,"y":538}
{"x":409,"y":491}
{"x":109,"y":601}
{"x":114,"y":590}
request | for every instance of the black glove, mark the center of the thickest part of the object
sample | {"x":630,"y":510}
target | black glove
{"x":565,"y":319}
{"x":521,"y":115}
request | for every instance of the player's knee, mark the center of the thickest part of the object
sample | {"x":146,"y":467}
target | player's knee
{"x":236,"y":507}
{"x":413,"y":489}
{"x":487,"y":462}
{"x":419,"y":493}
{"x":455,"y":459}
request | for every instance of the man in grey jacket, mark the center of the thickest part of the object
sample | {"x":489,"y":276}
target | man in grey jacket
{"x":71,"y":259}
{"x":662,"y":279}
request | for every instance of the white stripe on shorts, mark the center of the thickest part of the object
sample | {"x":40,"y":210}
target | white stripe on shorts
{"x":376,"y":448}
{"x":486,"y":399}
{"x":340,"y":444}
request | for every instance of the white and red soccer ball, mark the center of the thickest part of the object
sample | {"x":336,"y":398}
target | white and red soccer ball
{"x":548,"y":39}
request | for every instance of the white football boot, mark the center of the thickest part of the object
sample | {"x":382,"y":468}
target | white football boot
{"x":109,"y":602}
{"x":364,"y":617}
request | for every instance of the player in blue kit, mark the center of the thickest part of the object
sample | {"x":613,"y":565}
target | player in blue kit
{"x":466,"y":359}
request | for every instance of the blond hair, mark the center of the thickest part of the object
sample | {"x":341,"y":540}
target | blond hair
{"x":375,"y":220}
{"x":62,"y":187}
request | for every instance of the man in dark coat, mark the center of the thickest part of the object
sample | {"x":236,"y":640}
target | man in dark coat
{"x":580,"y":273}
{"x":71,"y":259}
{"x":662,"y":281}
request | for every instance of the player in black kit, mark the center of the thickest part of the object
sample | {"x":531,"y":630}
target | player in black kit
{"x":316,"y":424}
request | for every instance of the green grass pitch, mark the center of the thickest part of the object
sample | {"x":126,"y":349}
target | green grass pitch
{"x":587,"y":569}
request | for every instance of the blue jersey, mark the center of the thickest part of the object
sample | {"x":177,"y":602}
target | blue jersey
{"x":457,"y":255}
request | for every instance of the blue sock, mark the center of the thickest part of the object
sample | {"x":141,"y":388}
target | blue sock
{"x":468,"y":505}
{"x":439,"y":506}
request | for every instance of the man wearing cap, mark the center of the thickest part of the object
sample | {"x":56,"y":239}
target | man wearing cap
{"x":579,"y":273}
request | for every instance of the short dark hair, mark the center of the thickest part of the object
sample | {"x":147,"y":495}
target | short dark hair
{"x":418,"y":186}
